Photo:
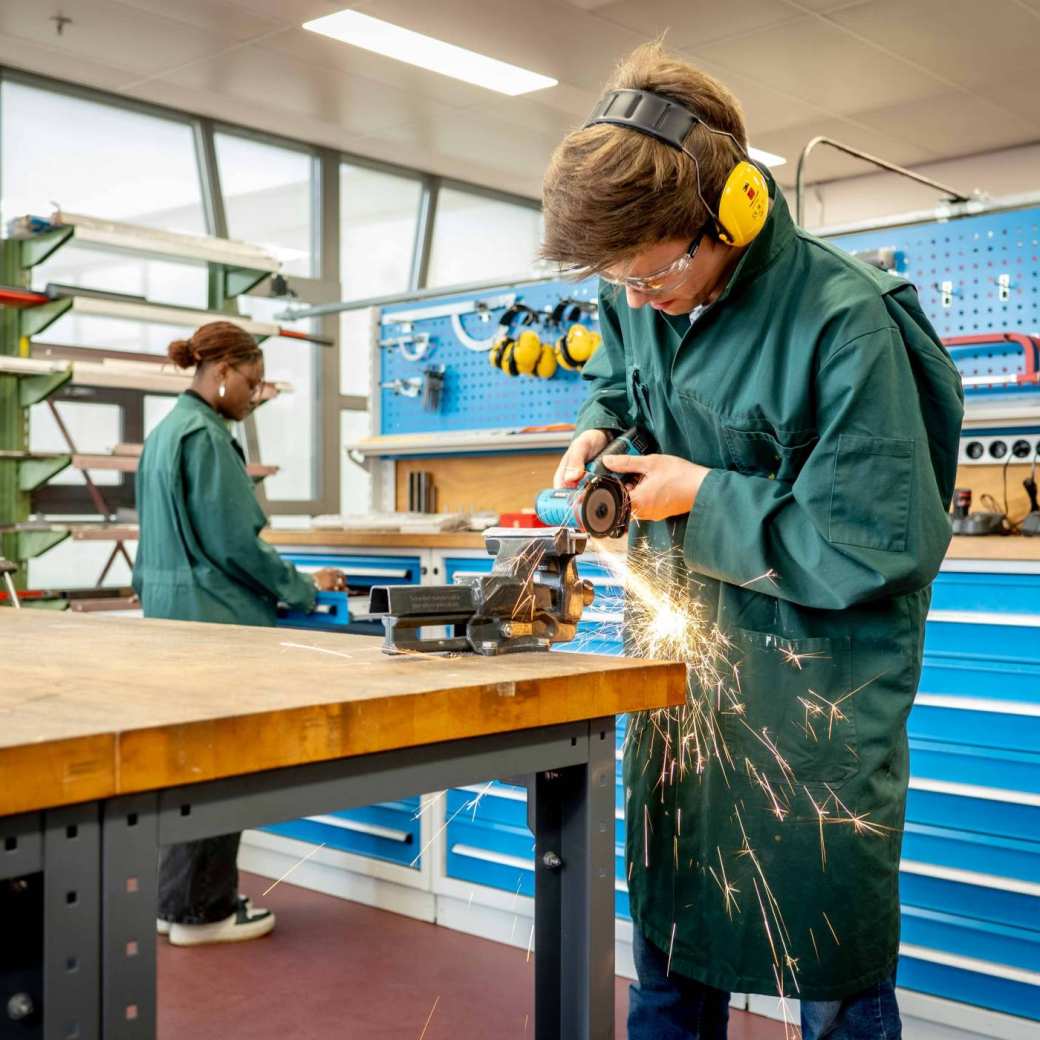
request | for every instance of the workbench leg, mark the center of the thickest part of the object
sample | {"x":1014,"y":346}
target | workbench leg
{"x":129,"y":886}
{"x":574,"y":895}
{"x":71,"y":923}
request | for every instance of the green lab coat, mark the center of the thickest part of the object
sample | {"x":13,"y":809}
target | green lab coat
{"x":829,"y":413}
{"x":199,"y":556}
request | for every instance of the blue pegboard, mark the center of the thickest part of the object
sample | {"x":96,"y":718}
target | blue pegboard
{"x":972,"y":253}
{"x":477,"y":396}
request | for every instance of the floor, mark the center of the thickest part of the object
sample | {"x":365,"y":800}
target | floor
{"x":336,"y":970}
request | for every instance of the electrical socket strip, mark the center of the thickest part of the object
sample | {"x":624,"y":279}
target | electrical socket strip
{"x":994,"y":449}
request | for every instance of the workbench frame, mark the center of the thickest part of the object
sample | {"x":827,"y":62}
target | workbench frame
{"x":99,"y":862}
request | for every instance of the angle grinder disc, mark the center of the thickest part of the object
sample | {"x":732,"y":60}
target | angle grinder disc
{"x":603,"y":510}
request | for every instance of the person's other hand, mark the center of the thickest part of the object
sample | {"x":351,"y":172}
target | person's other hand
{"x":667,"y":486}
{"x":585,"y":446}
{"x":329,"y":579}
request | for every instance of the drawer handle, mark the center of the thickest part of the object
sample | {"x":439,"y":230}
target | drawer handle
{"x":371,"y":829}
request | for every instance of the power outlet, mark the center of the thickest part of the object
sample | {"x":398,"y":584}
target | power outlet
{"x":994,"y":449}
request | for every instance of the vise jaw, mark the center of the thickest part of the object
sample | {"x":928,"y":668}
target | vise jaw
{"x":532,"y":598}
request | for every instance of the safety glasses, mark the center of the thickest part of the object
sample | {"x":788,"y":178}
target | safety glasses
{"x":664,"y":280}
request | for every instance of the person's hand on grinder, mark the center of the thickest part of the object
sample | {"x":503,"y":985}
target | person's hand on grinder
{"x":666,"y":485}
{"x":585,"y":446}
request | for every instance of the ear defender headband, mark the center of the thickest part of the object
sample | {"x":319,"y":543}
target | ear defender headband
{"x":744,"y":202}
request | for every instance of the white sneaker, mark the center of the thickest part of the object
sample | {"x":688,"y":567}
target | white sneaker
{"x":247,"y":922}
{"x":162,"y":924}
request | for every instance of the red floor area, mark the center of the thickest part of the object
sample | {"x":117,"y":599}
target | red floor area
{"x":335,"y":970}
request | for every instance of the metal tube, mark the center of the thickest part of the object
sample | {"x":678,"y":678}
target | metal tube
{"x":799,"y":192}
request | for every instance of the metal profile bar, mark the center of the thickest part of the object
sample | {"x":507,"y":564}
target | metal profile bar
{"x":21,"y":845}
{"x":72,"y":923}
{"x":220,"y":806}
{"x":425,"y":218}
{"x":952,"y":195}
{"x":409,"y":296}
{"x":129,"y":896}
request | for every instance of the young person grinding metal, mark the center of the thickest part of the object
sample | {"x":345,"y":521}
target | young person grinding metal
{"x":808,"y":422}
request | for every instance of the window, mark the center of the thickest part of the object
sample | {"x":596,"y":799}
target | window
{"x":110,"y":162}
{"x":357,"y":353}
{"x":101,"y":160}
{"x":287,"y":426}
{"x":270,"y":196}
{"x":94,"y":428}
{"x":355,"y":484}
{"x":476,"y":238}
{"x":378,"y":216}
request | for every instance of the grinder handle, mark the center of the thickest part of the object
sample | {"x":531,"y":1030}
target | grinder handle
{"x":634,"y":441}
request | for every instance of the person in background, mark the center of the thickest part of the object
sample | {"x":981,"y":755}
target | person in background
{"x":808,"y":420}
{"x":200,"y":558}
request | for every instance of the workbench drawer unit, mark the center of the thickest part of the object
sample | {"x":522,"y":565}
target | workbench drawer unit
{"x":487,"y":840}
{"x":970,"y":874}
{"x":389,"y":831}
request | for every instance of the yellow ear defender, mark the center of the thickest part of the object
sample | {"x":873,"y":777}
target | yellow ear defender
{"x":546,"y":367}
{"x":497,"y":353}
{"x":527,"y":350}
{"x":577,"y":346}
{"x":743,"y":204}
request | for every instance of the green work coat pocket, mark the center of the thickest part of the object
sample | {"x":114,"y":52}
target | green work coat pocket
{"x":870,"y":496}
{"x":760,"y":453}
{"x":796,"y":723}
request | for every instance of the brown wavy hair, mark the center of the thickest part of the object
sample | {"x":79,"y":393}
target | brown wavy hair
{"x":610,"y":192}
{"x":214,"y":342}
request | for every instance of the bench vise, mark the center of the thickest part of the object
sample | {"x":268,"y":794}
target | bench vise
{"x":532,"y":598}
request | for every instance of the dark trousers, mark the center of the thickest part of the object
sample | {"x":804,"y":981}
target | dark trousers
{"x":667,"y":1006}
{"x":198,"y":881}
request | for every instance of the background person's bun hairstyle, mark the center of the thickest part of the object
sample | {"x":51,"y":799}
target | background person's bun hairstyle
{"x":214,"y":342}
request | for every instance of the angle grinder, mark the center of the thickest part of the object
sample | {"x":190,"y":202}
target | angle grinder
{"x":600,"y":503}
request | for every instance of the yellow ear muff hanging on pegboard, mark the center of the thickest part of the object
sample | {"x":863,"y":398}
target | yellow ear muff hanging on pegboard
{"x":526,"y":352}
{"x":577,"y":346}
{"x":546,"y":367}
{"x":497,"y":351}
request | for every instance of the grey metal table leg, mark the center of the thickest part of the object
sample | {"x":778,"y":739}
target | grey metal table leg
{"x":129,"y":856}
{"x":574,"y":896}
{"x":72,"y":919}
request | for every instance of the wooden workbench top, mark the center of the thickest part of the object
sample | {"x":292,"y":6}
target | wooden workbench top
{"x":92,"y":706}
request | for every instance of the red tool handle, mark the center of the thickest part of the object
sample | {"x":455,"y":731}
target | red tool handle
{"x":1030,"y":349}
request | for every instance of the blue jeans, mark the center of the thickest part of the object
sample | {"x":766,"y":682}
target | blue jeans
{"x":666,"y":1006}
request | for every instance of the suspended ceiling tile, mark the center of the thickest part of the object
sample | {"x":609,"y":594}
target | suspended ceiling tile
{"x":694,"y":22}
{"x":1017,"y":92}
{"x":483,"y":147}
{"x":550,"y":116}
{"x":965,"y":41}
{"x":818,"y":63}
{"x":541,"y":35}
{"x":50,"y":61}
{"x":951,"y":123}
{"x":766,"y":108}
{"x":108,"y":33}
{"x":355,"y":103}
{"x":230,"y":21}
{"x":320,"y":52}
{"x":291,"y":12}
